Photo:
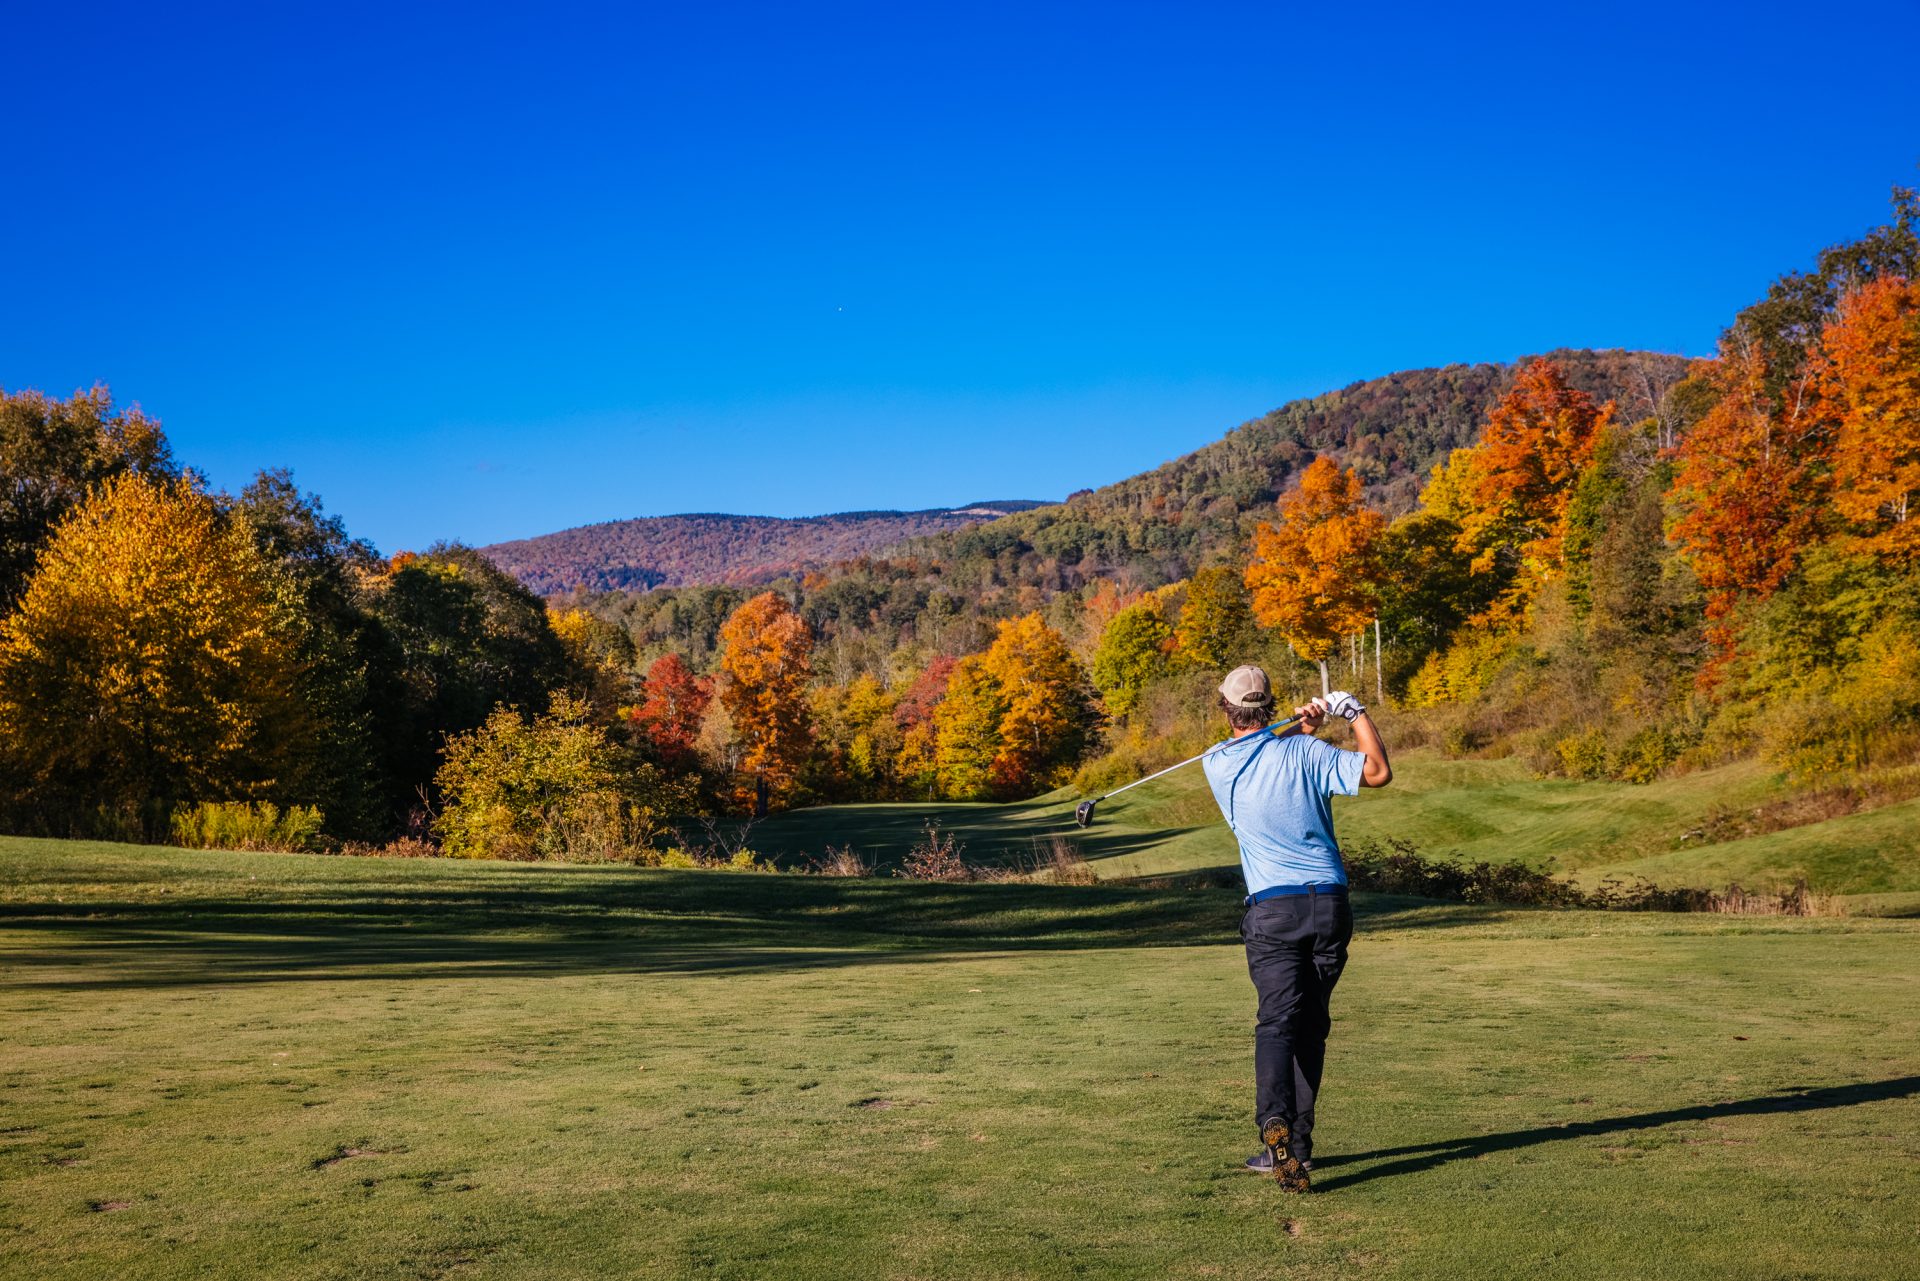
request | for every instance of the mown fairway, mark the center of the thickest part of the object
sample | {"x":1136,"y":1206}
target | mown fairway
{"x":1491,"y":810}
{"x":227,"y":1065}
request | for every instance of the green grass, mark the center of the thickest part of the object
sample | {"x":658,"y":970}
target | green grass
{"x":576,"y":1072}
{"x":1480,"y":810}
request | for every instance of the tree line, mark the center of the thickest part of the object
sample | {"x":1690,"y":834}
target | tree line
{"x":1725,"y":565}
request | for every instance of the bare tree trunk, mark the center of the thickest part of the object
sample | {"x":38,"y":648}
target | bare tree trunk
{"x":1326,"y":690}
{"x":1379,"y":667}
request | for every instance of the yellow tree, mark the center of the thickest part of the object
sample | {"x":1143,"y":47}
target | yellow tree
{"x":1868,"y":376}
{"x":1048,"y":713}
{"x":966,"y":730}
{"x":1216,"y":622}
{"x":1314,"y":574}
{"x":765,"y":665}
{"x":1015,"y":717}
{"x":148,"y":663}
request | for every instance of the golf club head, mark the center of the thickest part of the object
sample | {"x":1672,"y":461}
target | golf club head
{"x":1084,"y":815}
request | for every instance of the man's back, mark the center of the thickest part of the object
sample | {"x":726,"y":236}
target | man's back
{"x":1275,"y":793}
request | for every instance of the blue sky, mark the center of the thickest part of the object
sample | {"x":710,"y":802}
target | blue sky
{"x":482,"y":274}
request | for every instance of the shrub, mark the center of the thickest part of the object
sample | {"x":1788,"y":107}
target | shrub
{"x":1398,"y":867}
{"x":844,"y":861}
{"x":399,"y":847}
{"x":553,"y":787}
{"x":1063,"y":864}
{"x":1583,"y":755}
{"x":1648,"y":751}
{"x":247,"y":825}
{"x":936,"y":857}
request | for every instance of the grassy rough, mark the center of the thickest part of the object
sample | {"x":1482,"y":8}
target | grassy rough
{"x":235,"y":1065}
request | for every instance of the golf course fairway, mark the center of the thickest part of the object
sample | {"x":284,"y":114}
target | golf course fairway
{"x":241,"y":1065}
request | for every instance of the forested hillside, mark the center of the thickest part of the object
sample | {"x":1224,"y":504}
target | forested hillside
{"x":1160,"y":526}
{"x":1607,"y":565}
{"x":668,"y":551}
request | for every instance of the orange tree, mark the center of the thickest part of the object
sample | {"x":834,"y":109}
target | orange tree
{"x":1538,"y":440}
{"x":1314,"y":574}
{"x":765,"y":665}
{"x":1867,"y":373}
{"x":150,"y":663}
{"x":1750,"y":486}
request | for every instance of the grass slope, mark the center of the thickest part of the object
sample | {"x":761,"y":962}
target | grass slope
{"x":229,"y":1065}
{"x":1492,"y":810}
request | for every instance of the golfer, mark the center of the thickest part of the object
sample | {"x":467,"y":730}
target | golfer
{"x":1275,"y":791}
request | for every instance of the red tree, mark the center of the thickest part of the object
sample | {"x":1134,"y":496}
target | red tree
{"x":929,"y":687}
{"x":669,"y":714}
{"x":1749,"y":486}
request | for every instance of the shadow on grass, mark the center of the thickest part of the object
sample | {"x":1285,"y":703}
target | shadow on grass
{"x":1427,"y":1156}
{"x":493,"y":921}
{"x":386,"y":920}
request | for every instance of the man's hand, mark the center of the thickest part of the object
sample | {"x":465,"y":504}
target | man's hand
{"x":1342,"y":704}
{"x":1311,"y":717}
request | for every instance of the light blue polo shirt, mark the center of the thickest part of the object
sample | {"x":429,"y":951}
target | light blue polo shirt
{"x":1276,"y":794}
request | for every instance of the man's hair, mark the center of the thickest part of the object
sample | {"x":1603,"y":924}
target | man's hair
{"x":1255,"y":717}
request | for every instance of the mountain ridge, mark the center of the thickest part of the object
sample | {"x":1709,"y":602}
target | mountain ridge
{"x":643,"y":552}
{"x":1157,"y":525}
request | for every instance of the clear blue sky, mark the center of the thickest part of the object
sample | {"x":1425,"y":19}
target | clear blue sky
{"x":484,"y":274}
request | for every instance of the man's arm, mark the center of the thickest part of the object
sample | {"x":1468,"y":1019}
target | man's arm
{"x":1378,"y":771}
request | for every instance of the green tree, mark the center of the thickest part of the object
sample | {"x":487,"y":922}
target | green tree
{"x":317,"y":570}
{"x":1133,"y":652}
{"x":455,"y":638}
{"x":1216,"y":622}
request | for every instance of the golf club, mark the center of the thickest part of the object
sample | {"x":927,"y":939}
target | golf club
{"x":1084,"y":814}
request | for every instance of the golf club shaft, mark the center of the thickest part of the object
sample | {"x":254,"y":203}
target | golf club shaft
{"x":1274,"y":728}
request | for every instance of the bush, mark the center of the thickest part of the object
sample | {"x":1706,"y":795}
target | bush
{"x":1647,"y":752}
{"x":1398,"y":867}
{"x":1582,"y":755}
{"x":1063,"y":865}
{"x":844,"y":861}
{"x":551,"y":788}
{"x":247,"y":825}
{"x":936,"y":858}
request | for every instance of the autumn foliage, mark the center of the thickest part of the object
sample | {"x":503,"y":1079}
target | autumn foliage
{"x":670,"y":712}
{"x":1749,"y":484}
{"x":1867,"y":377}
{"x":149,"y":662}
{"x":765,"y":668}
{"x":1313,"y":573}
{"x":1016,"y":717}
{"x":1538,"y":441}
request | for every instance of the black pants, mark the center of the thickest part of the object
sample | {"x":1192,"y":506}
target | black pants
{"x":1296,"y":948}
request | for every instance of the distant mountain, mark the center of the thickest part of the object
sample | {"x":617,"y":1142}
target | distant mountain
{"x":711,"y":547}
{"x":1162,"y":524}
{"x":1155,"y":527}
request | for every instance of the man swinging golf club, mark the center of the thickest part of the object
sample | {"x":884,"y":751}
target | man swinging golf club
{"x":1275,"y":790}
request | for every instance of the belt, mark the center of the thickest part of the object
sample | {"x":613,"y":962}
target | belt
{"x":1294,"y":891}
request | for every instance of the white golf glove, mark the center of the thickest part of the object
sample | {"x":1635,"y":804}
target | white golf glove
{"x":1341,"y":704}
